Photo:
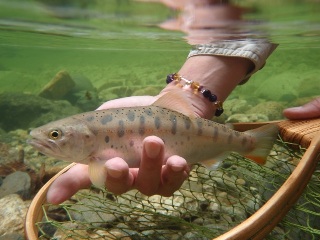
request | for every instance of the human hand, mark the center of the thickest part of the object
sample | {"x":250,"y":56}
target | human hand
{"x":307,"y":111}
{"x":151,"y":178}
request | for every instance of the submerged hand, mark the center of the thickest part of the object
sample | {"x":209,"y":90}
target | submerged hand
{"x":151,"y":178}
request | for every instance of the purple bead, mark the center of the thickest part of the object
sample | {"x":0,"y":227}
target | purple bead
{"x":206,"y":93}
{"x":213,"y":98}
{"x":169,"y":78}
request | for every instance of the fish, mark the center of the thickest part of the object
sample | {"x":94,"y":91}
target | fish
{"x":95,"y":137}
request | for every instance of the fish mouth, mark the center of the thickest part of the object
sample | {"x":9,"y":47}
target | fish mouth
{"x":41,"y":146}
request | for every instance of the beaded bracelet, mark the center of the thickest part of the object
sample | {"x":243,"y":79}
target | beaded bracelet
{"x":197,"y":87}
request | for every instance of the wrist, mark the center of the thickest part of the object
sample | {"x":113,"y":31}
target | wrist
{"x":218,"y":74}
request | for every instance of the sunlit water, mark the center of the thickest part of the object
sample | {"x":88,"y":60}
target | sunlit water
{"x":119,"y":43}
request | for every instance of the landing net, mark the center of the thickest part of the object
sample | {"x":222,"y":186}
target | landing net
{"x":207,"y":205}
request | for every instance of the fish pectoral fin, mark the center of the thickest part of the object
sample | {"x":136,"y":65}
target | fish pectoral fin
{"x":97,"y":172}
{"x":177,"y":101}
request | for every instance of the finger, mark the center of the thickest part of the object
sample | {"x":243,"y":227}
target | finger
{"x":149,"y":175}
{"x":119,"y":179}
{"x":66,"y":185}
{"x":174,"y":173}
{"x":309,"y":110}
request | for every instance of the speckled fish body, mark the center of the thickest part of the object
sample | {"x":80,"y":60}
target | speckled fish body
{"x":94,"y":137}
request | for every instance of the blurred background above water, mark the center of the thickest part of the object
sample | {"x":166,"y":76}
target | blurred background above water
{"x":111,"y":49}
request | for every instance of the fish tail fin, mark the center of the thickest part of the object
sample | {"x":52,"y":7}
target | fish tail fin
{"x":265,"y":137}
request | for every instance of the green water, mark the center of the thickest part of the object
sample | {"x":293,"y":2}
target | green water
{"x":118,"y":43}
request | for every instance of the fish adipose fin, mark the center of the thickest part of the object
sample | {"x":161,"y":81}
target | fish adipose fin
{"x":176,"y":101}
{"x":97,"y":172}
{"x":265,"y":137}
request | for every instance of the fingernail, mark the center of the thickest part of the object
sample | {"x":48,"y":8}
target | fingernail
{"x":114,"y":173}
{"x":176,"y":168}
{"x":152,"y":149}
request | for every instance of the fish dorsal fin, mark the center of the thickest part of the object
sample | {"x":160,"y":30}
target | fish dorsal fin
{"x":177,"y":101}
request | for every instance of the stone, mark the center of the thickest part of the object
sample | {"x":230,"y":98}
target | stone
{"x":16,"y":183}
{"x":234,"y":106}
{"x":82,"y":211}
{"x":12,"y":236}
{"x":12,"y":214}
{"x":58,"y":87}
{"x":23,"y":111}
{"x":240,"y":117}
{"x":271,"y":109}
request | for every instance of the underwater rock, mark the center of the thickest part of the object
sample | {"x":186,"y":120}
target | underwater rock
{"x":12,"y":214}
{"x":23,"y":111}
{"x":240,"y":117}
{"x":12,"y":236}
{"x":278,"y":85}
{"x":16,"y":183}
{"x":83,"y":95}
{"x":81,"y":211}
{"x":234,"y":106}
{"x":273,"y":110}
{"x":58,"y":87}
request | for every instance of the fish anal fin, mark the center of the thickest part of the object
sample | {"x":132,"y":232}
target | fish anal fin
{"x":212,"y":164}
{"x":176,"y":100}
{"x":97,"y":172}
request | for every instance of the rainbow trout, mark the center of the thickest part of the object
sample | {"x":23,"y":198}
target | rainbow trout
{"x":94,"y":137}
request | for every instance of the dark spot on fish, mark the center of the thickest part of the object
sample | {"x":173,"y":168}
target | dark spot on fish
{"x":142,"y":125}
{"x":87,"y":136}
{"x":131,"y":143}
{"x":121,"y":129}
{"x":215,"y":133}
{"x":131,"y":115}
{"x":111,"y":146}
{"x":173,"y":120}
{"x":148,"y":111}
{"x":237,"y":134}
{"x":107,"y":139}
{"x":200,"y":124}
{"x":90,"y":118}
{"x":187,"y":123}
{"x":106,"y":119}
{"x":157,"y":122}
{"x":230,"y":137}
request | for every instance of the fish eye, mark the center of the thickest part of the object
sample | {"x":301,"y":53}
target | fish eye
{"x":55,"y":134}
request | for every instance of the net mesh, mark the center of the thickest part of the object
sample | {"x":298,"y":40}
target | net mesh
{"x":207,"y":205}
